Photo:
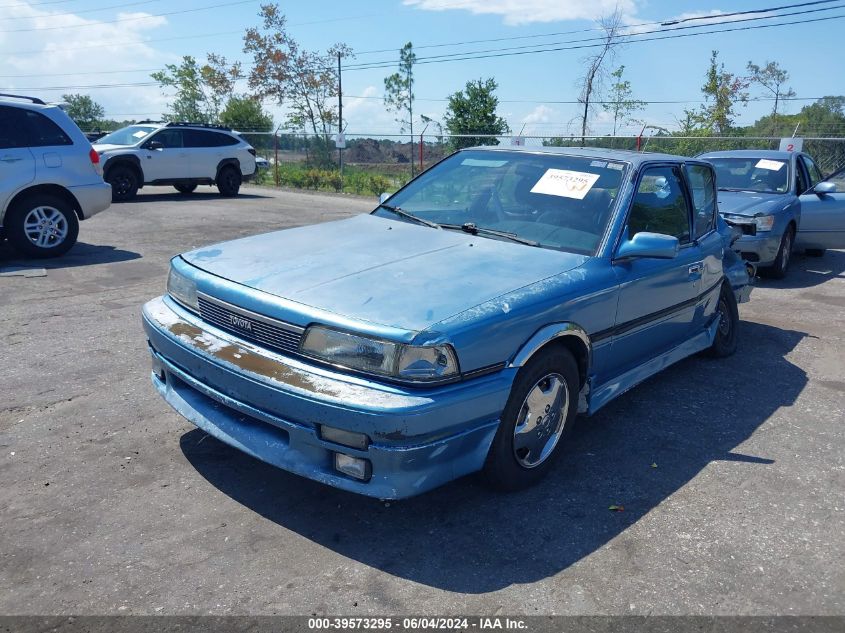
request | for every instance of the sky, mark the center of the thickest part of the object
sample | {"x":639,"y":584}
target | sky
{"x":108,"y":48}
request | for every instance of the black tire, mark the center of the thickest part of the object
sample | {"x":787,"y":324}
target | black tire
{"x":124,"y":183}
{"x":57,"y":218}
{"x":781,"y":265}
{"x":229,"y":181}
{"x":727,"y":334}
{"x":185,"y":188}
{"x":506,"y":466}
{"x":815,"y":252}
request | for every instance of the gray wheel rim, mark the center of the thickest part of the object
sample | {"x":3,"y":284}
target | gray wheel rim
{"x":787,"y":250}
{"x":540,"y":421}
{"x":46,"y":227}
{"x":724,"y":319}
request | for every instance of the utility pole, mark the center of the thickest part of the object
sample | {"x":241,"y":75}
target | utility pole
{"x":411,"y":115}
{"x":340,"y":118}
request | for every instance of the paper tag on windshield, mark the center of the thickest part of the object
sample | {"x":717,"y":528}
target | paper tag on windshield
{"x":565,"y":183}
{"x":140,"y":134}
{"x":773,"y":165}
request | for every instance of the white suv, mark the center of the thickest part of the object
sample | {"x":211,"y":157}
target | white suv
{"x":50,"y":177}
{"x":180,"y":154}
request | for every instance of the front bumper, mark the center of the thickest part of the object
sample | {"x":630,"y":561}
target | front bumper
{"x":92,"y":198}
{"x":271,"y":407}
{"x":761,"y":249}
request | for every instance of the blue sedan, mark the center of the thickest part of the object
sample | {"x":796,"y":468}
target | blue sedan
{"x":459,"y":327}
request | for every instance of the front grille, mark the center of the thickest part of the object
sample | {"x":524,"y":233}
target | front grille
{"x":260,"y":331}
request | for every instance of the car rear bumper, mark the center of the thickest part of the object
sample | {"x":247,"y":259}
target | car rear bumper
{"x":92,"y":198}
{"x":272,"y":407}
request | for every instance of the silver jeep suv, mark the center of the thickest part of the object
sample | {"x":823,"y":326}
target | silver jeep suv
{"x":183,"y":155}
{"x":50,"y":177}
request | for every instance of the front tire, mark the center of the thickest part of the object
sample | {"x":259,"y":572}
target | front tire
{"x":229,"y":181}
{"x":779,"y":268}
{"x":124,"y":183}
{"x":727,"y":334}
{"x":537,"y":418}
{"x":42,"y":226}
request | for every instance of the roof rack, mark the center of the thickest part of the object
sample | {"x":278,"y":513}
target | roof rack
{"x":146,"y":121}
{"x":206,"y":125}
{"x":34,"y":100}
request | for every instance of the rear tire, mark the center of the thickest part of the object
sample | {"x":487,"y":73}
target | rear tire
{"x":727,"y":334}
{"x":539,"y":415}
{"x":124,"y":183}
{"x":229,"y":181}
{"x":779,"y":268}
{"x":42,"y":226}
{"x":186,"y":188}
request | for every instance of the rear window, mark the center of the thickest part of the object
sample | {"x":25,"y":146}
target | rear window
{"x":45,"y":133}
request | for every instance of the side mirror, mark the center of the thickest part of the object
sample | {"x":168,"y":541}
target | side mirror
{"x":645,"y":244}
{"x":153,"y":145}
{"x":383,"y":198}
{"x":824,"y":187}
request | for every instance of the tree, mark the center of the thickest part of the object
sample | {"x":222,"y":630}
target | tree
{"x":399,"y":93}
{"x":246,"y":114}
{"x":200,"y":90}
{"x":84,"y":111}
{"x":620,"y":102}
{"x":473,"y":111}
{"x":723,"y":91}
{"x":304,"y":81}
{"x":771,"y":77}
{"x":593,"y":78}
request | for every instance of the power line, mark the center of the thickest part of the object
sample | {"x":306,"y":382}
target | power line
{"x":131,"y":19}
{"x":57,"y":15}
{"x":598,"y":28}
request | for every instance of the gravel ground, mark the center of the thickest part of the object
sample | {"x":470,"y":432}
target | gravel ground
{"x":730,"y":472}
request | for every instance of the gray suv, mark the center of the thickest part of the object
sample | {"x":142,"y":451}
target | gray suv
{"x":50,"y":177}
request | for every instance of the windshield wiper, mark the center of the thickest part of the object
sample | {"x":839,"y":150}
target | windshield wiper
{"x":471,"y":228}
{"x":410,"y":216}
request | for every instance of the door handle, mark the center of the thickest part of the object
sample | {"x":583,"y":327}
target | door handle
{"x":695,"y":269}
{"x":10,"y":159}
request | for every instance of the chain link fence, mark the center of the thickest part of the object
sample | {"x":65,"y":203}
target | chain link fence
{"x":374,"y":163}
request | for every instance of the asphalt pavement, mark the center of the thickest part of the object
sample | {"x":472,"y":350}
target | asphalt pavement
{"x":731,"y":472}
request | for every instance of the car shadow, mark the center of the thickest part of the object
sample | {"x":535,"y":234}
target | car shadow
{"x":81,"y":254}
{"x":465,"y":538}
{"x":211,"y":194}
{"x":806,"y":271}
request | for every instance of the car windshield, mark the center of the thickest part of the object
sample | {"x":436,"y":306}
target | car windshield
{"x":763,"y":175}
{"x":127,"y":135}
{"x":547,"y":200}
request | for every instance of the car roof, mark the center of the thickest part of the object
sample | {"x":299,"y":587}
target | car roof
{"x":747,"y":153}
{"x":628,"y":156}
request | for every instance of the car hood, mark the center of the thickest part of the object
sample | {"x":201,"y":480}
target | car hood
{"x":751,"y":204}
{"x":106,"y":147}
{"x":380,"y":270}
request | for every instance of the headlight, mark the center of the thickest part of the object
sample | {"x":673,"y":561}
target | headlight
{"x":182,"y":289}
{"x":376,"y":356}
{"x":764,"y":222}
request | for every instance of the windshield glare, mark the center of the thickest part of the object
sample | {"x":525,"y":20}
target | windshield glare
{"x":763,"y":175}
{"x":127,"y":135}
{"x":560,"y":202}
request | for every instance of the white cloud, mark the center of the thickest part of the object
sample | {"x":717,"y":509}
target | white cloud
{"x":517,"y":12}
{"x":540,"y":114}
{"x":53,"y":48}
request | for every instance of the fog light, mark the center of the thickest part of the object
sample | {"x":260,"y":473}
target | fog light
{"x":347,"y":438}
{"x":353,"y":466}
{"x":158,"y":367}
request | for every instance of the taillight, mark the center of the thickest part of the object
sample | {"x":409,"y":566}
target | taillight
{"x":94,"y":156}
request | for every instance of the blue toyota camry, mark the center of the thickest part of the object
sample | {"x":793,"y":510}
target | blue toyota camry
{"x":459,"y":327}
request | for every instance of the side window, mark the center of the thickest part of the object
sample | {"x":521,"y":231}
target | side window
{"x":195,"y":138}
{"x":800,"y":178}
{"x":659,"y":205}
{"x":168,"y":137}
{"x":44,"y":132}
{"x":222,"y":140}
{"x":13,"y":128}
{"x":703,"y":189}
{"x":813,"y":171}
